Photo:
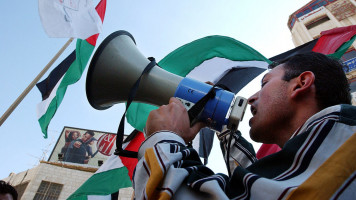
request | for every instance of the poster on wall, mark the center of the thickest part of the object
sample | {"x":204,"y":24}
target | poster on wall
{"x":82,"y":146}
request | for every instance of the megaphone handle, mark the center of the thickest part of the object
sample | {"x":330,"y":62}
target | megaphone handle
{"x":120,"y":132}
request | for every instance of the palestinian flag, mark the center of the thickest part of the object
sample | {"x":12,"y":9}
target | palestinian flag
{"x":333,"y":42}
{"x":77,"y":19}
{"x":114,"y":174}
{"x":66,"y":73}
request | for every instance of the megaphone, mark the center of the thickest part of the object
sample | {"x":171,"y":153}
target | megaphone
{"x":116,"y":66}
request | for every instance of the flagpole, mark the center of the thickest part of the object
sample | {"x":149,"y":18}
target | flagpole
{"x":33,"y":83}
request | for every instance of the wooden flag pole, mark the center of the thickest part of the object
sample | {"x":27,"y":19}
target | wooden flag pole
{"x":33,"y":83}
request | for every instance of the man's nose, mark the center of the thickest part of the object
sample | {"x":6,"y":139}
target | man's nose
{"x":252,"y":98}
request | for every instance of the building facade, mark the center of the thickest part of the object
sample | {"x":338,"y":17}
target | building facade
{"x":53,"y":180}
{"x":308,"y":22}
{"x":49,"y":179}
{"x":77,"y":155}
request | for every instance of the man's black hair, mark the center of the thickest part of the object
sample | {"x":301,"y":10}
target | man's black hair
{"x":6,"y":188}
{"x":90,"y":133}
{"x":332,"y":86}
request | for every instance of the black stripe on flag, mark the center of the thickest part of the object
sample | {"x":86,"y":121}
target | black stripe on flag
{"x":115,"y":196}
{"x":237,"y":78}
{"x":206,"y":143}
{"x":46,"y":86}
{"x":305,"y":48}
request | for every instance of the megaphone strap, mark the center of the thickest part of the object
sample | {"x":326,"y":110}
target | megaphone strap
{"x":195,"y":111}
{"x":120,"y":132}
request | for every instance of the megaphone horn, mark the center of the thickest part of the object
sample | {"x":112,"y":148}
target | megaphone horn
{"x":115,"y":67}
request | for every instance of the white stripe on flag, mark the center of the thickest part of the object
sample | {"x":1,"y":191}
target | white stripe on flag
{"x":113,"y":162}
{"x":43,"y":105}
{"x":99,"y":197}
{"x":214,"y":69}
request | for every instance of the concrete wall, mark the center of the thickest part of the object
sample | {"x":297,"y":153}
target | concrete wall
{"x":71,"y":179}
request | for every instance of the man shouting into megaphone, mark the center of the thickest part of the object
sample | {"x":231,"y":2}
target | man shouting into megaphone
{"x":298,"y":107}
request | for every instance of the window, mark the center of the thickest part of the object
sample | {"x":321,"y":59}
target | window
{"x":48,"y":191}
{"x":349,"y":55}
{"x":349,"y":61}
{"x":310,"y":7}
{"x":317,"y":22}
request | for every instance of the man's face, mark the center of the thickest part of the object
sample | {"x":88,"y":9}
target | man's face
{"x":86,"y":137}
{"x":75,"y":135}
{"x":270,"y":107}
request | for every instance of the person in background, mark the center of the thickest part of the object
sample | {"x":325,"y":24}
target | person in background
{"x":69,"y":137}
{"x":77,"y":150}
{"x":7,"y":192}
{"x":90,"y":153}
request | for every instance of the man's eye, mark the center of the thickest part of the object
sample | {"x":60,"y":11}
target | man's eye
{"x":263,"y":83}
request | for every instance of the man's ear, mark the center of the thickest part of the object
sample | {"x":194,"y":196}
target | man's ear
{"x":303,"y":84}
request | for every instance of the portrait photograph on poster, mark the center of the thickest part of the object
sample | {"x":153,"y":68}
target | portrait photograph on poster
{"x":82,"y":146}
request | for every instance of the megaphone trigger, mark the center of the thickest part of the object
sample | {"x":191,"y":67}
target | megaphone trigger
{"x":187,"y":104}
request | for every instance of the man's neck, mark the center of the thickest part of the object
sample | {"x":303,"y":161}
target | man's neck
{"x":302,"y":114}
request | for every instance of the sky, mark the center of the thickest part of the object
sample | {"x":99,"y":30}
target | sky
{"x":158,"y":26}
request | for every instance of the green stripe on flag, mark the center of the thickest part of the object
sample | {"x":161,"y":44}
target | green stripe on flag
{"x":75,"y":71}
{"x":184,"y":59}
{"x":342,"y":49}
{"x":103,"y":183}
